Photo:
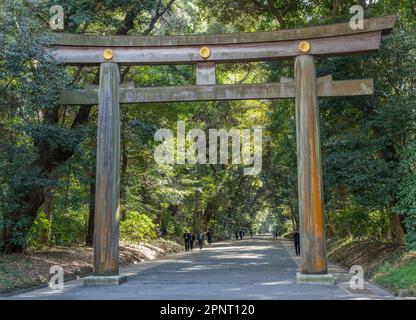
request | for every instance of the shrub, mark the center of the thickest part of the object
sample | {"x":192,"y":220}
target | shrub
{"x":67,"y":228}
{"x":38,"y":234}
{"x":137,"y":227}
{"x":360,"y":222}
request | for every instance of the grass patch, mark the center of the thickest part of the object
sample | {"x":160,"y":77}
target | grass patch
{"x":397,"y":277}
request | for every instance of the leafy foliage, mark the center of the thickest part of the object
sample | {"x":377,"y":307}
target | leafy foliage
{"x":407,"y":192}
{"x":47,"y":152}
{"x":137,"y":227}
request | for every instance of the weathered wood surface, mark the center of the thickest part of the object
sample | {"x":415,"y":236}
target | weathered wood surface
{"x":285,"y":89}
{"x":221,"y":53}
{"x":384,"y":24}
{"x":205,"y":73}
{"x":107,"y":201}
{"x":310,"y":191}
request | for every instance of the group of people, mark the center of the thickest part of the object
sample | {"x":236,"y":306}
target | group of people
{"x":189,"y":239}
{"x":239,"y":234}
{"x":275,"y":234}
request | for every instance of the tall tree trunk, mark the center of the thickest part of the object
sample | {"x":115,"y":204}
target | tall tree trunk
{"x":294,"y":217}
{"x":160,"y":220}
{"x":196,"y":225}
{"x":123,"y":174}
{"x":91,"y":214}
{"x":397,"y":232}
{"x":48,"y":209}
{"x":68,"y":184}
{"x":21,"y":219}
{"x":332,"y":231}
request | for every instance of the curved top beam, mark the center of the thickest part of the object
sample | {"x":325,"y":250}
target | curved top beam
{"x":384,"y":24}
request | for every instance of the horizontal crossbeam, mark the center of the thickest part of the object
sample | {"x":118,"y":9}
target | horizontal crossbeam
{"x":384,"y":24}
{"x":332,"y":46}
{"x":329,"y":40}
{"x":283,"y":90}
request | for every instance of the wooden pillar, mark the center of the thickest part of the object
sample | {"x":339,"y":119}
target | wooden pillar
{"x":107,"y":200}
{"x":205,"y":73}
{"x":310,"y":194}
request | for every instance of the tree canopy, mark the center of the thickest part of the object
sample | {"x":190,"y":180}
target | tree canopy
{"x":47,"y":152}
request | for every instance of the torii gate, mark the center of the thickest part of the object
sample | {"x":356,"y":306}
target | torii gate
{"x":304,"y":45}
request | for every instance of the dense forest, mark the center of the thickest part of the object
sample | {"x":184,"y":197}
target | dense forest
{"x":47,"y":152}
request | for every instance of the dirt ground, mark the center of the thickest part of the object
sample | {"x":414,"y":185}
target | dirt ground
{"x":368,"y":254}
{"x":388,"y":264}
{"x":19,"y":271}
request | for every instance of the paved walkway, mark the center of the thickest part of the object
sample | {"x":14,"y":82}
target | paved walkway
{"x":261,"y":268}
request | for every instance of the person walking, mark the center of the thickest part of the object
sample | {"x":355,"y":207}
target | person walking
{"x":236,"y":234}
{"x":241,"y":234}
{"x":186,"y":237}
{"x":200,"y":239}
{"x":209,"y":236}
{"x":296,"y":240}
{"x":191,"y":240}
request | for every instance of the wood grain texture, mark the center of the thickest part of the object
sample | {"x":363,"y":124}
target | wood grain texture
{"x":310,"y":191}
{"x":205,"y":73}
{"x":107,"y":201}
{"x":220,"y":53}
{"x":384,"y":24}
{"x":283,"y":90}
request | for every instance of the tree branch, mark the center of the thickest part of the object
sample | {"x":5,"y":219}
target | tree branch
{"x":276,"y":11}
